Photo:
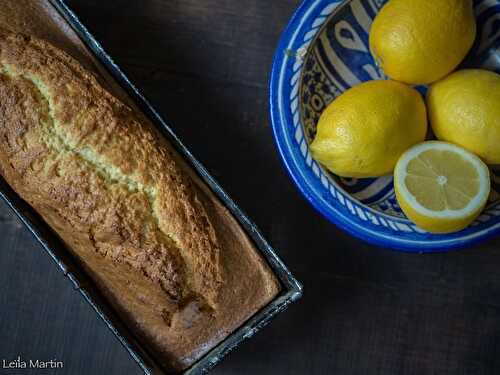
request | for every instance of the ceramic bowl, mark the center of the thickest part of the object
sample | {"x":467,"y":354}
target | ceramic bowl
{"x":324,"y":51}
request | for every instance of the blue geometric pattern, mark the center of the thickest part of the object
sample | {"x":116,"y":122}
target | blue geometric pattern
{"x":323,"y":52}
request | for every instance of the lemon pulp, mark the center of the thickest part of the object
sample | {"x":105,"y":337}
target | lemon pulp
{"x":441,"y":187}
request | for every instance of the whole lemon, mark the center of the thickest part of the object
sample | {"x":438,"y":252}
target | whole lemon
{"x":464,"y":108}
{"x":421,"y":41}
{"x":364,"y":131}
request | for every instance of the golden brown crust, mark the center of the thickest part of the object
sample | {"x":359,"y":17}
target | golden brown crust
{"x":38,"y":18}
{"x":168,"y":255}
{"x":102,"y":170}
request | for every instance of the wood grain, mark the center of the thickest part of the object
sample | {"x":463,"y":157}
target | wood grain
{"x":204,"y":65}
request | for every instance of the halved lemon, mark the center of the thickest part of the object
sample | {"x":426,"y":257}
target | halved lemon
{"x":440,"y":186}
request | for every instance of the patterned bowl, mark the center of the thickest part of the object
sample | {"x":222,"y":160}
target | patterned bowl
{"x":323,"y":52}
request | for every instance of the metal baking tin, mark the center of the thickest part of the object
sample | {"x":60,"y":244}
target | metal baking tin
{"x":291,"y":288}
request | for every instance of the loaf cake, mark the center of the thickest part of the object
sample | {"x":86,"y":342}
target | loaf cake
{"x":166,"y":254}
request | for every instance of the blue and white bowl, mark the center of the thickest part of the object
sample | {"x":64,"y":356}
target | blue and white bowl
{"x":324,"y":51}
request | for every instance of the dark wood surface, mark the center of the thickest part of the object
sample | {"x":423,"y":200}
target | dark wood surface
{"x":204,"y":64}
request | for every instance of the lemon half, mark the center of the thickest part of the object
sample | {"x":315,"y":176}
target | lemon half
{"x":441,"y":187}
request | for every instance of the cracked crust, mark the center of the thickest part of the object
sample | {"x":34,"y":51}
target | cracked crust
{"x":114,"y":192}
{"x":102,"y":171}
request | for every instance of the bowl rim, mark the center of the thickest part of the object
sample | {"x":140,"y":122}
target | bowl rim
{"x":340,"y":215}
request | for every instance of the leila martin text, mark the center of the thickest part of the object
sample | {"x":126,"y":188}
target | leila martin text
{"x":31,"y":363}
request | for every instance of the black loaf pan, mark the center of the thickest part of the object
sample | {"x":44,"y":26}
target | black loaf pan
{"x":291,"y":289}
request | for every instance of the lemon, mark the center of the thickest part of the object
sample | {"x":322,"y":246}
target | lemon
{"x":464,"y":108}
{"x":441,"y":187}
{"x":421,"y":41}
{"x":364,"y":131}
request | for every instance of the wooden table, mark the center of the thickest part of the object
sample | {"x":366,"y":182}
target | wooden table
{"x":204,"y":64}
